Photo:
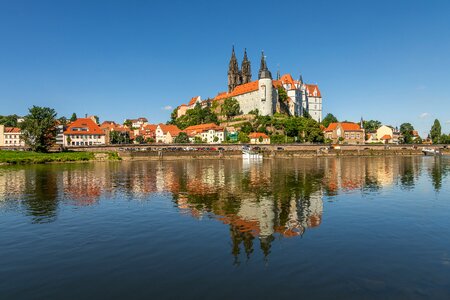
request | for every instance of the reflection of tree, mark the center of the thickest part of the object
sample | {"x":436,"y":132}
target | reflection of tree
{"x":438,"y":171}
{"x":407,"y":173}
{"x":41,"y":191}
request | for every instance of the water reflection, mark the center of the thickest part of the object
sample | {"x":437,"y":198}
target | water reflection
{"x":258,"y":201}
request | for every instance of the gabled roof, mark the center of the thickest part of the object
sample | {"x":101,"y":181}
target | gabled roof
{"x":386,"y":137}
{"x":193,"y":100}
{"x":347,"y":126}
{"x":196,"y":129}
{"x":85,"y":123}
{"x":257,"y":135}
{"x":239,"y":90}
{"x":287,"y":79}
{"x":172,"y":129}
{"x":310,"y":88}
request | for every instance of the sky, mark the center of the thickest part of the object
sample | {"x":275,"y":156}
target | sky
{"x":383,"y":60}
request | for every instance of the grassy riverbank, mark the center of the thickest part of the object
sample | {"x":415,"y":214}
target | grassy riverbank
{"x":28,"y":157}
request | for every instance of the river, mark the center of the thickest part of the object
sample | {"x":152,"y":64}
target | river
{"x":319,"y":228}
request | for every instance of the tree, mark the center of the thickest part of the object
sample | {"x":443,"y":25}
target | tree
{"x":119,"y":137}
{"x":97,"y":119}
{"x":216,"y":139}
{"x":371,"y":125}
{"x":243,"y":137}
{"x":231,"y":108}
{"x":9,"y":121}
{"x":196,"y":116}
{"x":73,"y":118}
{"x":39,"y":128}
{"x":406,"y":130}
{"x":127,"y":123}
{"x":435,"y":132}
{"x":182,"y":138}
{"x":282,"y":95}
{"x":63,"y":120}
{"x":329,"y":118}
{"x":139,"y":139}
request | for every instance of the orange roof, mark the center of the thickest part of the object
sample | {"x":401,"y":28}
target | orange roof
{"x":311,"y":88}
{"x":386,"y":137}
{"x":193,"y":100}
{"x":287,"y":79}
{"x":276,"y":83}
{"x":195,"y":129}
{"x":346,"y":126}
{"x":12,"y":130}
{"x":172,"y":129}
{"x":257,"y":135}
{"x":83,"y":126}
{"x":415,"y":133}
{"x":239,"y":90}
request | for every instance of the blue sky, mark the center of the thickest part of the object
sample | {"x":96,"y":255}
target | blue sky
{"x":385,"y":60}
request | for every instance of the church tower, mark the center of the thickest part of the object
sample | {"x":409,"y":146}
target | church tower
{"x":263,"y":70}
{"x":267,"y":94}
{"x":234,"y":75}
{"x":246,"y":69}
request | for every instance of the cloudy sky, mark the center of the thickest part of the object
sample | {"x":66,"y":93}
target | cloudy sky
{"x":385,"y":60}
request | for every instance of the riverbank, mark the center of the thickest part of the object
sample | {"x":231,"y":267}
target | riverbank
{"x":29,"y":157}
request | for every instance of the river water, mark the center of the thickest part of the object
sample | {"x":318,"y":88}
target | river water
{"x":326,"y":228}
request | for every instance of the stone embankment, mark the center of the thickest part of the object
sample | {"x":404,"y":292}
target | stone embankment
{"x":183,"y":151}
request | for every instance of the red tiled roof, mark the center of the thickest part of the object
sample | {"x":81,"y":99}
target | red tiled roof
{"x":386,"y":137}
{"x":173,"y":129}
{"x":311,"y":88}
{"x":195,"y":129}
{"x":287,"y":79}
{"x":257,"y":135}
{"x":239,"y":90}
{"x":90,"y":127}
{"x":346,"y":126}
{"x":12,"y":130}
{"x":193,"y":100}
{"x":276,"y":83}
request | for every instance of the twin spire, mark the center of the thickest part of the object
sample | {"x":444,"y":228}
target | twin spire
{"x":238,"y":76}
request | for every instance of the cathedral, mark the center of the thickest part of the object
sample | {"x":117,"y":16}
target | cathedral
{"x":263,"y":94}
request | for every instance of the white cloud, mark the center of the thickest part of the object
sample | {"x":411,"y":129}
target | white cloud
{"x":424,"y":115}
{"x":167,"y":107}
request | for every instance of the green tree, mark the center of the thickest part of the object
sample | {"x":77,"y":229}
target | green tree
{"x":231,"y":108}
{"x":73,"y":118}
{"x":196,"y":116}
{"x":128,"y":123}
{"x":97,"y":119}
{"x":39,"y":128}
{"x":9,"y":121}
{"x":63,"y":120}
{"x":198,"y":140}
{"x":435,"y":132}
{"x":139,"y":139}
{"x":119,"y":137}
{"x":243,"y":137}
{"x":216,"y":139}
{"x":282,"y":95}
{"x":371,"y":125}
{"x":329,"y":118}
{"x":246,"y":127}
{"x":182,"y":138}
{"x":406,"y":130}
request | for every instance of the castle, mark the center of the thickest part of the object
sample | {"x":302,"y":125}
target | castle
{"x":263,"y":94}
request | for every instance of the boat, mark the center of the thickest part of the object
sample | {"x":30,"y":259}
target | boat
{"x":431,"y":152}
{"x":248,"y":153}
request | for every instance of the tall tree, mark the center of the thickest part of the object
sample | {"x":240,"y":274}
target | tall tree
{"x":38,"y":128}
{"x":435,"y":132}
{"x":182,"y":138}
{"x":9,"y":121}
{"x":406,"y":130}
{"x":371,"y":125}
{"x":231,"y":108}
{"x":73,"y":118}
{"x":329,"y":118}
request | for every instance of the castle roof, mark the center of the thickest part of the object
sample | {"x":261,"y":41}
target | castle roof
{"x":311,"y":89}
{"x":193,"y":100}
{"x":239,"y":90}
{"x":287,"y":79}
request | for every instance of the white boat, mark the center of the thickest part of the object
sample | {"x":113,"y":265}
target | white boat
{"x":431,"y":152}
{"x":247,"y":153}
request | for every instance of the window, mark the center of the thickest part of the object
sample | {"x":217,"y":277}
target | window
{"x":346,"y":135}
{"x":358,"y":136}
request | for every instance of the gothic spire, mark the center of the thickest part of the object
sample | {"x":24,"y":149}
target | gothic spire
{"x":246,"y":69}
{"x":234,"y":76}
{"x":263,"y":70}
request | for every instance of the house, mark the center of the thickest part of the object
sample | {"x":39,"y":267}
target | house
{"x":166,"y":133}
{"x":388,"y":135}
{"x":84,"y":132}
{"x":259,"y":138}
{"x":108,"y":127}
{"x":137,"y":123}
{"x":209,"y":133}
{"x":10,"y":137}
{"x":148,"y":132}
{"x":345,"y":132}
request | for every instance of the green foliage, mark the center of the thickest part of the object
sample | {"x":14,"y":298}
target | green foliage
{"x":182,"y":138}
{"x":254,"y":112}
{"x":216,"y":139}
{"x":28,"y":157}
{"x":128,"y":123}
{"x":246,"y":127}
{"x":243,"y":137}
{"x":435,"y":132}
{"x":119,"y":137}
{"x":282,"y":95}
{"x":371,"y":125}
{"x":196,"y":116}
{"x":97,"y":119}
{"x":149,"y":140}
{"x":63,"y":120}
{"x":9,"y":121}
{"x":329,"y":118}
{"x":173,"y":117}
{"x":406,"y":130}
{"x":231,"y":108}
{"x":306,"y":114}
{"x":445,"y":139}
{"x":38,"y":128}
{"x":139,"y":139}
{"x":198,"y":140}
{"x":73,"y":118}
